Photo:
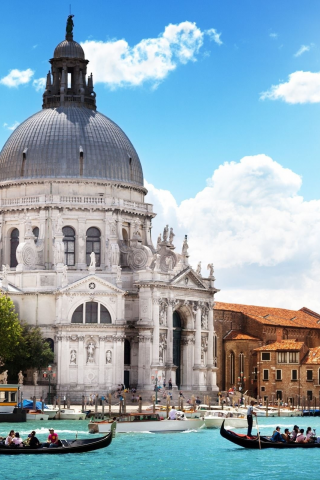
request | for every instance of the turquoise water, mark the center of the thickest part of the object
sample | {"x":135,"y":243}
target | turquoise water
{"x":190,"y":455}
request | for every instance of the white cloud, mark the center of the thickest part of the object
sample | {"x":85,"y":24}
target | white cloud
{"x":302,"y":87}
{"x":11,"y":127}
{"x":117,"y":64}
{"x":302,"y":49}
{"x":273,"y":35}
{"x":17,"y":77}
{"x":39,"y":83}
{"x":252,"y":224}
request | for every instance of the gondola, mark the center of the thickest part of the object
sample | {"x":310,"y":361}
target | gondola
{"x":68,"y":446}
{"x":265,"y":442}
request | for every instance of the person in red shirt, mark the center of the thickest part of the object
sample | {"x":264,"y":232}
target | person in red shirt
{"x":53,"y":439}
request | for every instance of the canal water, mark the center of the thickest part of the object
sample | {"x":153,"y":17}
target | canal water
{"x":190,"y":455}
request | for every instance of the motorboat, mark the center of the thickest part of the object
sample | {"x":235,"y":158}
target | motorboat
{"x":33,"y":415}
{"x":261,"y":442}
{"x":51,"y":412}
{"x":284,"y":412}
{"x":71,"y":414}
{"x":215,"y":419}
{"x":150,"y":422}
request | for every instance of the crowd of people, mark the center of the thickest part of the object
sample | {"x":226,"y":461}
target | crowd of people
{"x":14,"y":440}
{"x":297,"y":435}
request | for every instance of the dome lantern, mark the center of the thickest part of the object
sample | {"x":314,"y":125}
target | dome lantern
{"x":67,"y":83}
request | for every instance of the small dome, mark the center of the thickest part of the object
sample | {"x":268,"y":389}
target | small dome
{"x":69,"y":49}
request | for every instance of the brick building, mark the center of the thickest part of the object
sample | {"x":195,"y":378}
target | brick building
{"x":242,"y":329}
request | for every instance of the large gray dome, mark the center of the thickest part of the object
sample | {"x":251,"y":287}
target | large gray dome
{"x":50,"y":144}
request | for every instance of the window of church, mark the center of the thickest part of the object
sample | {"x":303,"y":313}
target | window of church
{"x":69,"y":246}
{"x":104,"y":315}
{"x":35,"y":232}
{"x":125,"y":236}
{"x":14,"y":242}
{"x":93,"y":244}
{"x":77,"y":316}
{"x":91,"y":312}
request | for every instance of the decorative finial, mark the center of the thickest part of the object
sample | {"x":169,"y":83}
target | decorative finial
{"x":69,"y":28}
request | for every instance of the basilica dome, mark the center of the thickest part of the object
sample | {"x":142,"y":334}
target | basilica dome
{"x":70,"y":142}
{"x":69,"y":138}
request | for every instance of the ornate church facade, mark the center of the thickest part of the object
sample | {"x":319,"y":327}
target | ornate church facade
{"x":77,"y":254}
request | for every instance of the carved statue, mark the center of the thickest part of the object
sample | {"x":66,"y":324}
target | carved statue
{"x":171,"y":236}
{"x":211,"y":269}
{"x":35,"y":378}
{"x":159,"y":240}
{"x":165,"y":233}
{"x":162,"y":315}
{"x":204,"y":320}
{"x":28,"y":227}
{"x":185,"y":246}
{"x":20,"y":378}
{"x":108,"y":356}
{"x":119,"y":269}
{"x":90,"y":352}
{"x":70,"y":25}
{"x":5,"y":270}
{"x":156,"y":259}
{"x":136,"y":228}
{"x":73,"y":357}
{"x":198,"y":271}
{"x":113,"y":227}
{"x":162,"y":346}
{"x":4,"y":376}
{"x":58,"y":252}
{"x":92,"y":260}
{"x":169,"y":262}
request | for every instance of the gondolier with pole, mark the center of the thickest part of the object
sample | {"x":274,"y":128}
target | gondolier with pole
{"x":250,"y":413}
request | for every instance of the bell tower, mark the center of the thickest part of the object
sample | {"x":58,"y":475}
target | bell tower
{"x":67,"y":82}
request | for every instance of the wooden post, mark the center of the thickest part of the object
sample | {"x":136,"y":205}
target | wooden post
{"x":168,"y":405}
{"x":68,"y":401}
{"x":95,"y":405}
{"x":193,"y":401}
{"x":153,"y":404}
{"x":209,"y":402}
{"x":181,"y":406}
{"x":83,"y":403}
{"x":120,"y":407}
{"x":58,"y":415}
{"x":140,"y":404}
{"x":124,"y":403}
{"x":103,"y":402}
{"x":267,"y":406}
{"x":34,"y":403}
{"x":110,"y":406}
{"x":278,"y":407}
{"x":54,"y":402}
{"x":42,"y":404}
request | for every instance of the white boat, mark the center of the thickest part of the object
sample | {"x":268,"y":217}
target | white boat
{"x":70,"y":414}
{"x":284,"y":412}
{"x":142,"y":422}
{"x":51,"y":412}
{"x":214,"y":419}
{"x":33,"y":416}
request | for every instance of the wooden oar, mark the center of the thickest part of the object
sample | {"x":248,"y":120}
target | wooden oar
{"x":258,"y":432}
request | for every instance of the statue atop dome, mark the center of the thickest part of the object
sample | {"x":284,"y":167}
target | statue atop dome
{"x":69,"y":27}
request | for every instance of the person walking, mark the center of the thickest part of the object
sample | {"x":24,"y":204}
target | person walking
{"x":170,"y":384}
{"x":250,"y":412}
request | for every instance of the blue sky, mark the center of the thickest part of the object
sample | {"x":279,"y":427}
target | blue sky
{"x":202,"y":109}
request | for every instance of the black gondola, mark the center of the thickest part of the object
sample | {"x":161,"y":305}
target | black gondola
{"x":68,"y":446}
{"x":265,"y":442}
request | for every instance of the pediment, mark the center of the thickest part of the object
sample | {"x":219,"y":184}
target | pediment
{"x":91,"y":284}
{"x":188,"y":279}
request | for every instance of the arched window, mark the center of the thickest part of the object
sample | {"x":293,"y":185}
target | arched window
{"x":125,"y":236}
{"x":77,"y":316}
{"x":69,"y":246}
{"x":91,"y":312}
{"x":14,"y":242}
{"x":93,"y":244}
{"x":176,"y":320}
{"x":104,"y":315}
{"x":127,"y":348}
{"x":51,"y":343}
{"x":241,"y":364}
{"x":35,"y":232}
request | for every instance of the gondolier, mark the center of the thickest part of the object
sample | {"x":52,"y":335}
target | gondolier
{"x":250,"y":412}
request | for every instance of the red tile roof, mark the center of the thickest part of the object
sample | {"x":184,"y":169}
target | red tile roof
{"x":238,"y":335}
{"x":286,"y":345}
{"x":303,"y":318}
{"x":313,"y":357}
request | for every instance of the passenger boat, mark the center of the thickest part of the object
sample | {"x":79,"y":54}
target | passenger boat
{"x":68,"y":446}
{"x":33,"y":415}
{"x":71,"y":414}
{"x":214,"y":419}
{"x":142,"y":422}
{"x":264,"y":442}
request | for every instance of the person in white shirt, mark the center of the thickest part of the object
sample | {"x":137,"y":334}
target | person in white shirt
{"x":17,"y":440}
{"x":9,"y":438}
{"x":173,"y":414}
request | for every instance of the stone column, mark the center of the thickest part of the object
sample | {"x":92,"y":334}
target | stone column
{"x":58,"y":340}
{"x":102,"y":361}
{"x":155,"y":344}
{"x":119,"y":360}
{"x":170,"y":334}
{"x":64,"y":377}
{"x":81,"y":362}
{"x":81,"y":245}
{"x":197,"y":346}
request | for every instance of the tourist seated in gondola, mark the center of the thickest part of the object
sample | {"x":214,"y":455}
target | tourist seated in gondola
{"x":310,"y":435}
{"x":33,"y":441}
{"x":294,"y":433}
{"x":9,"y":438}
{"x":276,"y":437}
{"x":286,"y":435}
{"x":53,"y":439}
{"x":17,"y":441}
{"x":301,"y":437}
